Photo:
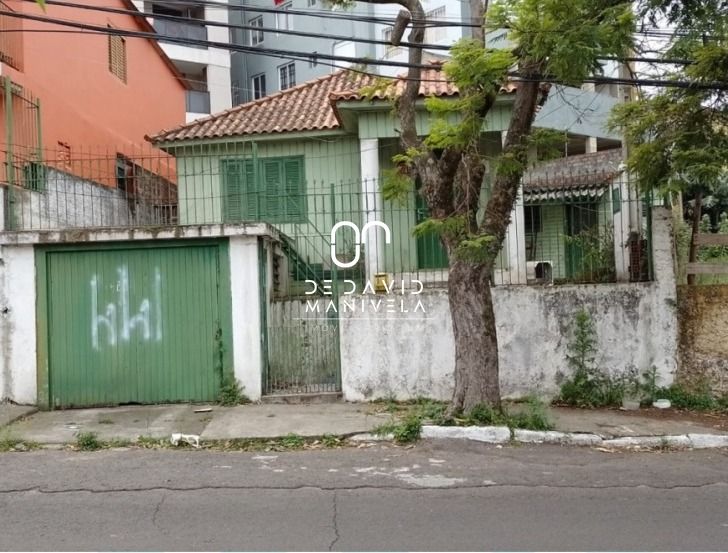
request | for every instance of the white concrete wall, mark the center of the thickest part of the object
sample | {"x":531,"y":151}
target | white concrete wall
{"x":410,"y":355}
{"x":17,"y":324}
{"x":68,"y":201}
{"x":247,"y":332}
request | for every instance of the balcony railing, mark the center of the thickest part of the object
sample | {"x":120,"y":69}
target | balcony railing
{"x":198,"y":101}
{"x":189,"y":31}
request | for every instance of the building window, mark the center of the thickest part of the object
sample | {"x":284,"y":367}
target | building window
{"x":313,"y":60}
{"x":117,"y":56}
{"x":258,"y":86}
{"x":124,"y":173}
{"x":256,"y":35}
{"x":532,"y":219}
{"x":390,"y":51}
{"x":434,"y":35}
{"x":275,"y":193}
{"x":311,"y":3}
{"x":287,"y":75}
{"x":284,"y":20}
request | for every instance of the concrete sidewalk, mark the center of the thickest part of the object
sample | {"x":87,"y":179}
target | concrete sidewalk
{"x":212,"y":422}
{"x":9,"y":413}
{"x":613,"y":423}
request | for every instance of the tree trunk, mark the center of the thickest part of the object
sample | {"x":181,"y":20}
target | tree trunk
{"x":476,"y":344}
{"x":697,"y":214}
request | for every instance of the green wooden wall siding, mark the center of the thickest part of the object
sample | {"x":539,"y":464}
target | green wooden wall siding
{"x":384,"y":124}
{"x":133,"y":323}
{"x":331,"y":163}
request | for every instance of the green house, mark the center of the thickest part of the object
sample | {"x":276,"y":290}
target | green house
{"x":314,"y":155}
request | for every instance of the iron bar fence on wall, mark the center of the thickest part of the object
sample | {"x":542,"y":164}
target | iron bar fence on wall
{"x":589,"y":228}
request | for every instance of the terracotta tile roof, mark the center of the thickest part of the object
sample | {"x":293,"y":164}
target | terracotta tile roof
{"x":305,"y":107}
{"x":309,"y":106}
{"x":587,"y":173}
{"x":433,"y":84}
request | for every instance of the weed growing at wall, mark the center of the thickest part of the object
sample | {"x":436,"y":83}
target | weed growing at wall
{"x":587,"y":386}
{"x":231,"y":393}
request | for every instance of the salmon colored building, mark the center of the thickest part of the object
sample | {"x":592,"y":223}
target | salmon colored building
{"x":74,"y":91}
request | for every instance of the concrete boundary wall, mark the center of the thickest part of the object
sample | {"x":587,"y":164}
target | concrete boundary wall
{"x":18,"y":335}
{"x":704,"y":336}
{"x":409,"y":354}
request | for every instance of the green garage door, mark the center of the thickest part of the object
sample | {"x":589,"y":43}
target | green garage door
{"x":133,"y":323}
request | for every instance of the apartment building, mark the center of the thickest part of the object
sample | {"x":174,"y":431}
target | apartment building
{"x":65,"y":90}
{"x":206,"y":68}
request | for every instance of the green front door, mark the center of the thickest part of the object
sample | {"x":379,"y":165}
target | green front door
{"x":430,"y":252}
{"x":133,"y":323}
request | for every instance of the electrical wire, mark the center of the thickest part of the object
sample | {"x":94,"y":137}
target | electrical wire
{"x":209,"y":23}
{"x":323,"y":57}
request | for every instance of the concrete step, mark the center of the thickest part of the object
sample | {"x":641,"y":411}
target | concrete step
{"x":318,"y":397}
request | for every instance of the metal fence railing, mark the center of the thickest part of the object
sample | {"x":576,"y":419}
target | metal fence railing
{"x":584,"y":229}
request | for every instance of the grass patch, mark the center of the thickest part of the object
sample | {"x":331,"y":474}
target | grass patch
{"x":88,"y":441}
{"x":530,"y":415}
{"x":8,"y":444}
{"x":106,"y":421}
{"x":149,"y":442}
{"x":292,"y":441}
{"x":403,"y":431}
{"x":698,"y":399}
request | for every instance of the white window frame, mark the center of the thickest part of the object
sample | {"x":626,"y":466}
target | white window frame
{"x":282,"y":16}
{"x":264,"y":90}
{"x":256,"y":36}
{"x":286,"y":67}
{"x":390,"y":51}
{"x":433,"y":35}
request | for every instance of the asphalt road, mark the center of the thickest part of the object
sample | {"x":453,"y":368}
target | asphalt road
{"x":443,"y":496}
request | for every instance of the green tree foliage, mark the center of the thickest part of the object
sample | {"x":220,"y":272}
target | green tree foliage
{"x":679,"y":136}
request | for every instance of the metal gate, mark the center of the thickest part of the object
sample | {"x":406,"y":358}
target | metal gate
{"x":133,"y":323}
{"x":303,"y":346}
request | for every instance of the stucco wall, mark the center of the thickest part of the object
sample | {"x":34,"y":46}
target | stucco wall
{"x":67,"y":201}
{"x":704,"y":336}
{"x":412,"y":354}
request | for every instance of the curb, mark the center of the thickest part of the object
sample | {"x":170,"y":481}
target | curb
{"x":503,"y":435}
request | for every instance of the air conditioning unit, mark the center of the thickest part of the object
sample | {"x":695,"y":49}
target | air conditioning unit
{"x":539,"y":272}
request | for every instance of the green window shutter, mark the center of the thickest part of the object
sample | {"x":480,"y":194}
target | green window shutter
{"x":294,"y":190}
{"x":251,"y":199}
{"x":240,"y":200}
{"x":233,"y":188}
{"x":272,"y":193}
